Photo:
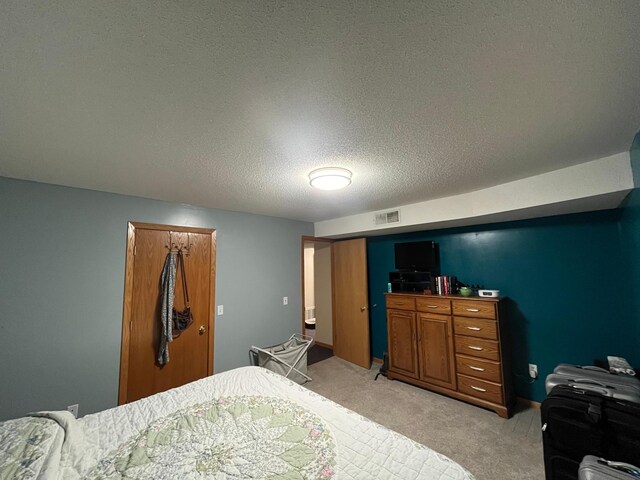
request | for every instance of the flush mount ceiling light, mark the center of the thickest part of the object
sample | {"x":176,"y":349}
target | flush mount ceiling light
{"x":330,"y":178}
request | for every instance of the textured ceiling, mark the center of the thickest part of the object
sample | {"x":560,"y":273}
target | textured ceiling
{"x":229,"y":104}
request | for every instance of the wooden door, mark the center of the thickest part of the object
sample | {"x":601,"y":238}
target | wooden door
{"x":351,"y":302}
{"x":401,"y":332}
{"x":191,"y":354}
{"x":435,"y":346}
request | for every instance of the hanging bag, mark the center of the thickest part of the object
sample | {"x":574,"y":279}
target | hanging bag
{"x":181,"y":320}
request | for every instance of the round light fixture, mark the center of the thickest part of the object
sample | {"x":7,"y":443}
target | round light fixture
{"x":330,"y":178}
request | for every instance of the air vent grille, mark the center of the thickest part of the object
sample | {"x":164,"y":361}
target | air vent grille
{"x":387,"y":217}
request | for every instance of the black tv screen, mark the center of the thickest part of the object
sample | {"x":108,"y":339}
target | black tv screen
{"x":418,"y":257}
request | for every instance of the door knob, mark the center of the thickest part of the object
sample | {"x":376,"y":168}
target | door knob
{"x":201,"y":329}
{"x":362,"y":309}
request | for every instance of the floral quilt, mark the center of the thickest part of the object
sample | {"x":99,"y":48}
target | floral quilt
{"x":24,"y":447}
{"x":232,"y":437}
{"x":244,"y":423}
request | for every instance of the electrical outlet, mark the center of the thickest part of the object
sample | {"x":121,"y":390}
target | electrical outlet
{"x":285,"y":300}
{"x":73,"y":409}
{"x":220,"y":309}
{"x":533,"y":370}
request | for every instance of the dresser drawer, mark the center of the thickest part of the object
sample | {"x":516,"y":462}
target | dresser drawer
{"x":475,"y":367}
{"x":478,"y":347}
{"x":476,"y":327}
{"x":434,"y":305}
{"x":480,"y":389}
{"x":474,"y":308}
{"x":401,"y":302}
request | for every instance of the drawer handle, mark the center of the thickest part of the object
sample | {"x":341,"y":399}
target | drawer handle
{"x":399,"y":303}
{"x":479,"y":349}
{"x":473,"y":309}
{"x":477,"y":369}
{"x":475,"y":329}
{"x":478,"y":388}
{"x":432,"y":306}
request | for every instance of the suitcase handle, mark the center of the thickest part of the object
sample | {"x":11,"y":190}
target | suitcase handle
{"x":591,"y":381}
{"x":591,"y":388}
{"x":623,"y":467}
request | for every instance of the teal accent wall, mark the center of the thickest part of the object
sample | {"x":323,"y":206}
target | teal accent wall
{"x":62,"y":281}
{"x":630,"y":241}
{"x":566,"y":279}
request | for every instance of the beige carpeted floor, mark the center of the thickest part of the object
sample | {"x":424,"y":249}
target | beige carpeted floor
{"x":490,"y":447}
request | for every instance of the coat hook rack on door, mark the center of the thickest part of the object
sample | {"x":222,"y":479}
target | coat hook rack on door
{"x":178,"y":245}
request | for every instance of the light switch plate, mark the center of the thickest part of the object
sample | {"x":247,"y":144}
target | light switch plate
{"x":285,"y":300}
{"x":220,"y":309}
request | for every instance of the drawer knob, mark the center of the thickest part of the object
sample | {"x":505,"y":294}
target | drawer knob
{"x":478,"y":388}
{"x":477,"y":369}
{"x":473,"y":309}
{"x":475,"y":329}
{"x":472,"y":347}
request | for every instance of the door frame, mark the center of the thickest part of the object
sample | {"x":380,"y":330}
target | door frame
{"x":128,"y":296}
{"x":308,"y":238}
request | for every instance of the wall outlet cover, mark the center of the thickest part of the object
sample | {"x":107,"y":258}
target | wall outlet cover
{"x":533,"y":370}
{"x":220,"y":309}
{"x":285,"y":300}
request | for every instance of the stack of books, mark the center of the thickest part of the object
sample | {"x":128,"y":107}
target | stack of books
{"x":446,"y":285}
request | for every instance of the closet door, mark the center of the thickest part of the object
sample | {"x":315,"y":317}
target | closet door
{"x":191,"y":354}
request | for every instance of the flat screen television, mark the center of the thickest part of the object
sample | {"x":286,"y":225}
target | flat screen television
{"x":418,"y":257}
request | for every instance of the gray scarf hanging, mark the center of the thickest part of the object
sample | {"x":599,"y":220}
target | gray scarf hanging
{"x":168,"y":285}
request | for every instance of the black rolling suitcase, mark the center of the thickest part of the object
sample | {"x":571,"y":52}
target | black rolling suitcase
{"x":579,"y":422}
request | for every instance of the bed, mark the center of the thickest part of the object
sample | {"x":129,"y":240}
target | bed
{"x":245,"y":423}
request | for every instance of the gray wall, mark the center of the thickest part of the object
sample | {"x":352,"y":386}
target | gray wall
{"x":62,"y":280}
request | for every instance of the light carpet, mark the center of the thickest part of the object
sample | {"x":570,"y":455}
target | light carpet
{"x":490,"y":447}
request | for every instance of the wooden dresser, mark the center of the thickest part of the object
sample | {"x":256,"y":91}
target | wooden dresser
{"x":452,"y":345}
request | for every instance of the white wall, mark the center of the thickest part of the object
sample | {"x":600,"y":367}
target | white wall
{"x":309,"y":288}
{"x":324,"y":307}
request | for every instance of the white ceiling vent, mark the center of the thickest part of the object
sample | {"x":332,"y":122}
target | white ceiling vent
{"x":387,"y":217}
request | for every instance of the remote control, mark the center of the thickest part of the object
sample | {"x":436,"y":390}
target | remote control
{"x":620,"y":365}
